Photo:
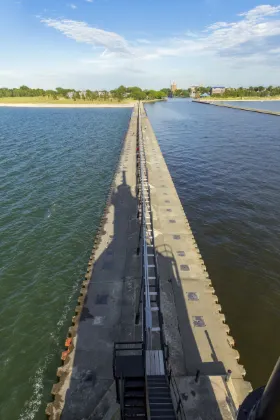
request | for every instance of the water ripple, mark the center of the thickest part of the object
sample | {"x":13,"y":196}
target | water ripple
{"x":225,"y":165}
{"x":57,"y":166}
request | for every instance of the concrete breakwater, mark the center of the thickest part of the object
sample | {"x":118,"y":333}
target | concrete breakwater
{"x":260,"y":111}
{"x":201,"y":353}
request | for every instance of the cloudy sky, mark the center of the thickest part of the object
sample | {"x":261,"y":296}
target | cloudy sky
{"x":99,"y":44}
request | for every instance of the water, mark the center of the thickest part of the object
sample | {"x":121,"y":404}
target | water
{"x":57,"y":166}
{"x":56,"y":169}
{"x":267,"y":105}
{"x":225,"y":165}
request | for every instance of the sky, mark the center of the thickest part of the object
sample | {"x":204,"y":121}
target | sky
{"x":101,"y":44}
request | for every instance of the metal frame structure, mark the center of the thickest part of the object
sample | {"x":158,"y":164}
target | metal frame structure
{"x":150,"y":290}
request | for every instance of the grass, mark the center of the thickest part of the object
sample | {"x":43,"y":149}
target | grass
{"x":60,"y":101}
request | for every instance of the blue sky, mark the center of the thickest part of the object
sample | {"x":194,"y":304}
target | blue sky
{"x":100,"y":44}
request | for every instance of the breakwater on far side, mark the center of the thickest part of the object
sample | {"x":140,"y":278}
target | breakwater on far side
{"x":261,"y":111}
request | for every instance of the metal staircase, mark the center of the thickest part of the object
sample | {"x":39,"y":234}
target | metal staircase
{"x":144,"y":387}
{"x":134,"y":400}
{"x":160,"y":401}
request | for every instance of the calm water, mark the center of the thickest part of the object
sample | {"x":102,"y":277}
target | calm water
{"x":226,"y":166}
{"x":56,"y":167}
{"x":267,"y":105}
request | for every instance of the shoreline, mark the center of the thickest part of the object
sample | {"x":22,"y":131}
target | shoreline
{"x":42,"y":105}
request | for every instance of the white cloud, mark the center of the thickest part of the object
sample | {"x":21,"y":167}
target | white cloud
{"x":89,"y":1}
{"x":217,"y":25}
{"x":143,"y":41}
{"x":255,"y":29}
{"x":73,"y":6}
{"x":82,"y":32}
{"x":260,"y":12}
{"x":224,"y":52}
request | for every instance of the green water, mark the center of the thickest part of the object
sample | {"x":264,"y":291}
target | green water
{"x":56,"y":169}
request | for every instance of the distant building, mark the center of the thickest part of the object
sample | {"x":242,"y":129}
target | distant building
{"x":217,"y":90}
{"x":193,"y":91}
{"x":173,"y":87}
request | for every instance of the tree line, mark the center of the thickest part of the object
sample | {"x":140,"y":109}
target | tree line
{"x":120,"y":93}
{"x":135,"y":93}
{"x":259,"y":91}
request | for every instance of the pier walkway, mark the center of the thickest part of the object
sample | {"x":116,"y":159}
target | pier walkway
{"x":195,"y":328}
{"x":200,"y":357}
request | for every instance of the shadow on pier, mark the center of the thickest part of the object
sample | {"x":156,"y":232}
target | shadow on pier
{"x":108,"y":315}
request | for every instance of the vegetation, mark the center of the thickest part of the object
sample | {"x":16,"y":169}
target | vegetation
{"x":122,"y":93}
{"x":179,"y":93}
{"x":257,"y":92}
{"x":126,"y":94}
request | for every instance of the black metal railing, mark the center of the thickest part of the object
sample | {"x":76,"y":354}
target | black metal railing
{"x":175,"y":394}
{"x":127,"y":348}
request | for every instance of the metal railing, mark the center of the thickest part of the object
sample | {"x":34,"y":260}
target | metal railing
{"x":145,"y":273}
{"x":128,"y":348}
{"x":175,"y":394}
{"x":176,"y":397}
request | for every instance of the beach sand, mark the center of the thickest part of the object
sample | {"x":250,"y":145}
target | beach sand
{"x":42,"y":105}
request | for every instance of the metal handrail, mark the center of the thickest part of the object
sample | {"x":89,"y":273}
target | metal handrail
{"x":160,"y":320}
{"x":180,"y":413}
{"x":148,"y":311}
{"x":179,"y":404}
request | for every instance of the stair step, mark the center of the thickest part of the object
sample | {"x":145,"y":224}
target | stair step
{"x":163,"y":410}
{"x":160,"y":395}
{"x":163,"y":392}
{"x":132,"y":411}
{"x":134,"y":383}
{"x":136,"y":393}
{"x":161,"y":405}
{"x":133,"y":402}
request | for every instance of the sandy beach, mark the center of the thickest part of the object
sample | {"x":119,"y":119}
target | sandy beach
{"x":42,"y":105}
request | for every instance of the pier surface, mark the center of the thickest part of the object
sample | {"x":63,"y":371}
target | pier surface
{"x":201,"y":353}
{"x":260,"y":111}
{"x":107,"y":303}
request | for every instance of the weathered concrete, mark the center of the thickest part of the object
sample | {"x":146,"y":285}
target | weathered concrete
{"x":260,"y":111}
{"x":107,"y":304}
{"x":194,"y":326}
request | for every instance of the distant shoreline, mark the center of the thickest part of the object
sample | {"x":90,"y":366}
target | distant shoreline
{"x":253,"y":99}
{"x":40,"y":105}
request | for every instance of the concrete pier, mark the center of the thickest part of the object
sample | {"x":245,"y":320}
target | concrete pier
{"x":195,"y":329}
{"x":201,"y":354}
{"x":106,"y":310}
{"x":260,"y":111}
